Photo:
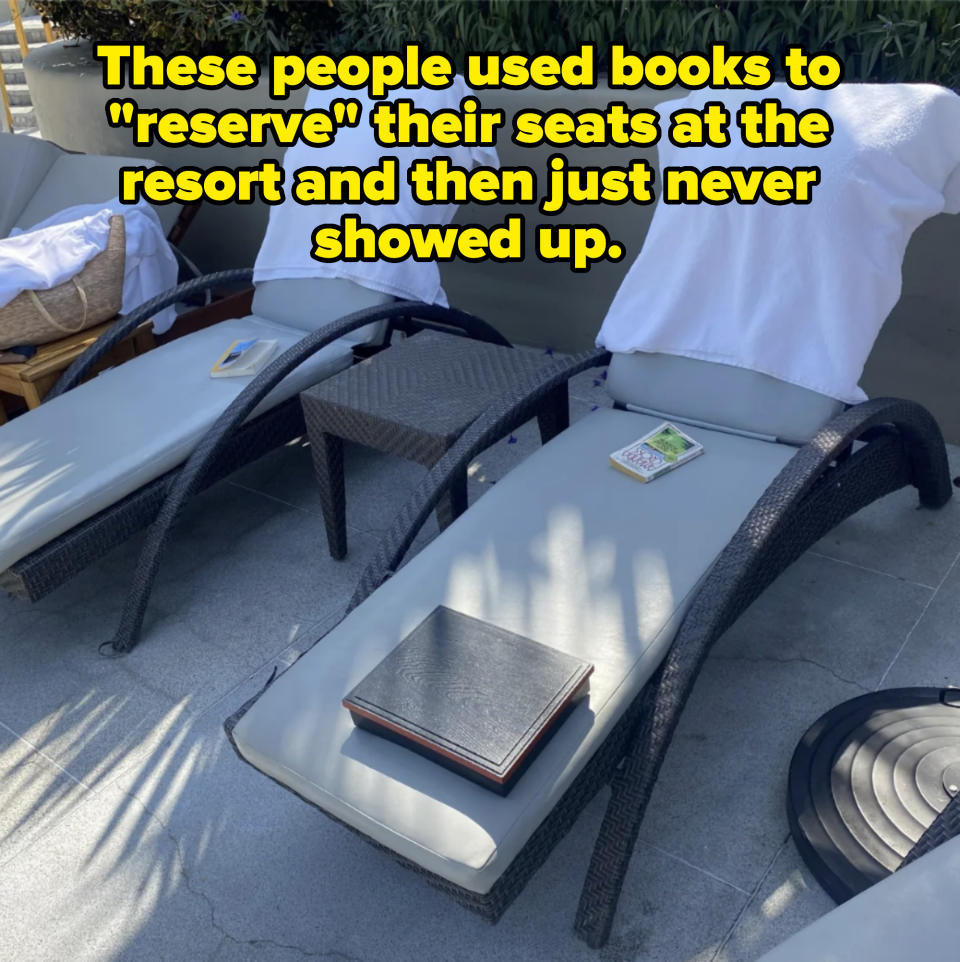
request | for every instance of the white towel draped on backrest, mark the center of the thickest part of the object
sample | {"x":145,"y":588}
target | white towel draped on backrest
{"x":285,"y":252}
{"x":798,"y":292}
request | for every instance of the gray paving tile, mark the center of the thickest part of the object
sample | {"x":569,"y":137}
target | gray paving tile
{"x":107,"y":883}
{"x":377,"y":485}
{"x":242,"y":577}
{"x":896,"y":536}
{"x":280,"y":878}
{"x":822,"y":633}
{"x":34,"y":794}
{"x":231,"y":950}
{"x":789,"y":899}
{"x":719,"y":802}
{"x":374,"y":481}
{"x":847,"y":620}
{"x":231,"y":596}
{"x":931,"y":655}
{"x":85,"y":712}
{"x":499,"y":459}
{"x":670,"y":911}
{"x":581,"y":407}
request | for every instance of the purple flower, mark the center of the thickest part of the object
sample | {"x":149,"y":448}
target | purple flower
{"x":549,"y":351}
{"x":511,"y":440}
{"x":236,"y":16}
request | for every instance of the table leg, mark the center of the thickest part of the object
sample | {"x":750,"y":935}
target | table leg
{"x":327,"y":451}
{"x":453,"y":502}
{"x":554,"y":415}
{"x":35,"y":391}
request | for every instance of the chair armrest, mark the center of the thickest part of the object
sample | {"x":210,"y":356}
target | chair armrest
{"x":125,"y":325}
{"x":820,"y":485}
{"x":503,"y":416}
{"x":924,"y":449}
{"x":735,"y":580}
{"x":191,"y":476}
{"x":944,"y":827}
{"x":452,"y":322}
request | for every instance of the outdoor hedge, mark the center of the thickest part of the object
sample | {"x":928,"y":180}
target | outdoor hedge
{"x":879,"y":40}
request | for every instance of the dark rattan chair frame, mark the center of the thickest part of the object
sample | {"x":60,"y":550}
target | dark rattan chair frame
{"x":231,"y":442}
{"x":863,"y":454}
{"x":944,"y":827}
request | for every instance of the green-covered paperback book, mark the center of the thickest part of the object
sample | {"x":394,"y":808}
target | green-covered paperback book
{"x":656,"y":453}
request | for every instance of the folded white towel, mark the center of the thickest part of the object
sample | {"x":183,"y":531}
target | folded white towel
{"x":796,"y":291}
{"x":40,"y":259}
{"x":285,"y":251}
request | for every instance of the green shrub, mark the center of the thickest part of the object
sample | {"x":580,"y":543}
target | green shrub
{"x":907,"y":40}
{"x":910,"y":40}
{"x":197,"y":26}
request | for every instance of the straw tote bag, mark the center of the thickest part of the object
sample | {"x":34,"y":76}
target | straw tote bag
{"x":90,"y":297}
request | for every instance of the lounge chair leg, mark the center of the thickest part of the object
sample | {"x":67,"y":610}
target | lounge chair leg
{"x":631,"y":789}
{"x":608,"y":866}
{"x":138,"y":597}
{"x":554,"y":415}
{"x":931,"y":472}
{"x":453,"y":502}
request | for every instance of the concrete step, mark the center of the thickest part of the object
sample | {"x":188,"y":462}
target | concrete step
{"x":13,"y":73}
{"x":9,"y":53}
{"x":19,"y":95}
{"x":24,"y":118}
{"x":33,"y":28}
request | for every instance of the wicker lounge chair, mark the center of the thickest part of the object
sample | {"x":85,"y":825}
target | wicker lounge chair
{"x":63,"y":504}
{"x":295,"y":735}
{"x":640,"y":580}
{"x":95,"y":462}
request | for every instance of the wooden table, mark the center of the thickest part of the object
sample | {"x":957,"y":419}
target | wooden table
{"x":32,"y":379}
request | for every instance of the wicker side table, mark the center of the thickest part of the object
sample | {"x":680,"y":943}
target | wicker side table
{"x":413,"y":400}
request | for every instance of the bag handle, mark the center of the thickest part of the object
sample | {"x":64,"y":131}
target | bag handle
{"x":51,"y":320}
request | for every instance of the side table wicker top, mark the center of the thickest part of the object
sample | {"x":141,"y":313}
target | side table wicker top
{"x":414,"y":400}
{"x":430,"y":384}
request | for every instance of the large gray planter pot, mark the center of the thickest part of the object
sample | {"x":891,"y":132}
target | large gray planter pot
{"x":66,"y":87}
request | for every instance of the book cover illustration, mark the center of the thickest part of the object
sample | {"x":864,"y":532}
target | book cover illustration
{"x":244,"y":358}
{"x":656,"y":453}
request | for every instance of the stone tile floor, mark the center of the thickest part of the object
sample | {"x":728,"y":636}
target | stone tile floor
{"x":130,"y":831}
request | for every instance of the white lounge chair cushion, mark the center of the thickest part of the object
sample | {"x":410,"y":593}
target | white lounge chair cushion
{"x":75,"y":455}
{"x":719,"y":394}
{"x":565,"y":550}
{"x":309,"y":303}
{"x":912,"y":915}
{"x":24,"y":162}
